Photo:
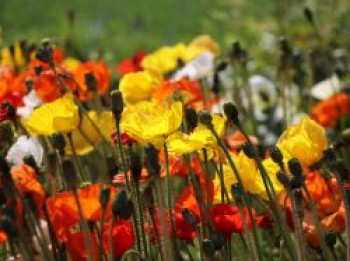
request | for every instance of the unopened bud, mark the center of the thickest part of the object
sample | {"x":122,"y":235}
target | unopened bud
{"x":119,"y":203}
{"x":91,"y":81}
{"x":189,"y":218}
{"x":44,"y":54}
{"x":152,"y":162}
{"x":218,"y":240}
{"x":237,"y":192}
{"x":330,"y":156}
{"x":104,"y":196}
{"x":249,"y":150}
{"x":117,"y":104}
{"x":208,"y":247}
{"x":58,"y":142}
{"x":276,"y":155}
{"x":135,"y":166}
{"x":205,"y":118}
{"x":191,"y":118}
{"x":308,"y":15}
{"x":69,"y":174}
{"x":282,"y":178}
{"x":330,"y":239}
{"x":7,"y":225}
{"x":30,"y":161}
{"x":231,"y":112}
{"x":295,"y":167}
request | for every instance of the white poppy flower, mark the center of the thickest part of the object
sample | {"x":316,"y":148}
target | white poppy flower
{"x":200,"y":67}
{"x":327,"y":88}
{"x":31,"y":101}
{"x":23,"y":147}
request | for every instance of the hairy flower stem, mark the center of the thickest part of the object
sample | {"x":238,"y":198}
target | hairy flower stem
{"x":141,"y":224}
{"x":159,"y":195}
{"x":244,"y":193}
{"x":296,"y":211}
{"x":121,"y":154}
{"x":81,"y":171}
{"x":170,"y":199}
{"x":250,"y":240}
{"x":271,"y":193}
{"x":102,"y":222}
{"x":157,"y":235}
{"x":110,"y":239}
{"x":84,"y":226}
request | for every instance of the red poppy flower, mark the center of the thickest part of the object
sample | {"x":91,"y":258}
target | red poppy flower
{"x":130,"y":65}
{"x":183,"y":230}
{"x":75,"y":244}
{"x":101,"y":73}
{"x":227,"y":219}
{"x":190,"y":89}
{"x":329,"y":111}
{"x":122,"y":237}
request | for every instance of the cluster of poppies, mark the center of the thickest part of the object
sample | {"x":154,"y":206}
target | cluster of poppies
{"x":185,"y":157}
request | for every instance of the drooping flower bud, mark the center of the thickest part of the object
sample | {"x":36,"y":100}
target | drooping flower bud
{"x":276,"y":155}
{"x":30,"y":161}
{"x":205,"y":118}
{"x":330,"y":156}
{"x":119,"y":203}
{"x":295,"y":167}
{"x":191,"y":118}
{"x":152,"y":162}
{"x":90,"y":81}
{"x":218,"y":240}
{"x":249,"y":150}
{"x":282,"y":178}
{"x":189,"y":217}
{"x":69,"y":174}
{"x":308,"y":15}
{"x":135,"y":166}
{"x":7,"y":225}
{"x":104,"y":196}
{"x":231,"y":112}
{"x":44,"y":54}
{"x":58,"y":142}
{"x":208,"y":247}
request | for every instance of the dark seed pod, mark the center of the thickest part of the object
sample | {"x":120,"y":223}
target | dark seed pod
{"x":231,"y":112}
{"x":117,"y":104}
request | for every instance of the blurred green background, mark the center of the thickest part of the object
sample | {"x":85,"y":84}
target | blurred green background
{"x":119,"y":27}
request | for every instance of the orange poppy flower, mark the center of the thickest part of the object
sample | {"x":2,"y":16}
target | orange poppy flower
{"x":26,"y":180}
{"x":47,"y":86}
{"x":329,"y":111}
{"x":63,"y":211}
{"x":101,"y":73}
{"x":57,"y":56}
{"x":190,"y":89}
{"x":237,"y":139}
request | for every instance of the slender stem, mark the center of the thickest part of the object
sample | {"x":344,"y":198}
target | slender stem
{"x":84,"y":226}
{"x":142,"y":222}
{"x":121,"y":153}
{"x":110,"y":240}
{"x":102,"y":222}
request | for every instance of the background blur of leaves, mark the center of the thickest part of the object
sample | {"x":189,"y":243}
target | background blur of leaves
{"x":119,"y":27}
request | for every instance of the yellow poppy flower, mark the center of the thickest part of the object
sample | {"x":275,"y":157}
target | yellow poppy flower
{"x":16,"y":59}
{"x":201,"y":137}
{"x":71,"y":63}
{"x":138,"y":86}
{"x":85,"y":137}
{"x":305,"y":141}
{"x":150,"y":121}
{"x":60,"y":115}
{"x":164,"y":59}
{"x":200,"y":44}
{"x":250,"y":175}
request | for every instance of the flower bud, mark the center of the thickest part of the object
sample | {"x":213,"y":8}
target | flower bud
{"x":237,"y":192}
{"x":117,"y":104}
{"x":90,"y":81}
{"x":231,"y":112}
{"x":218,"y":240}
{"x":44,"y":54}
{"x":295,"y":167}
{"x":38,"y":70}
{"x":308,"y":15}
{"x":104,"y":196}
{"x":3,"y":199}
{"x":249,"y":150}
{"x":58,"y":142}
{"x":30,"y":161}
{"x":221,"y":66}
{"x":189,"y":217}
{"x":205,"y":118}
{"x":148,"y":198}
{"x":282,"y":178}
{"x":29,"y":84}
{"x":6,"y":133}
{"x":4,"y":168}
{"x":191,"y":118}
{"x":208,"y":247}
{"x":236,"y":50}
{"x":330,"y":239}
{"x":295,"y":182}
{"x":7,"y":225}
{"x":69,"y":174}
{"x":11,"y":111}
{"x":330,"y":156}
{"x":284,"y":46}
{"x":119,"y":203}
{"x":152,"y":163}
{"x":135,"y":166}
{"x":276,"y":155}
